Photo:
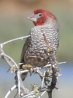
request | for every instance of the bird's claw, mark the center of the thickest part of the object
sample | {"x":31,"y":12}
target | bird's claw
{"x":26,"y":66}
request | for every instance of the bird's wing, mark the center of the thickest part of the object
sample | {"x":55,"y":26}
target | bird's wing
{"x":25,"y":47}
{"x":51,"y":38}
{"x":47,"y":43}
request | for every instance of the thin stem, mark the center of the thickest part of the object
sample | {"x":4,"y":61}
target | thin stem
{"x":42,"y":94}
{"x":8,"y":93}
{"x":20,"y":38}
{"x":43,"y":81}
{"x":18,"y":75}
{"x":61,"y":63}
{"x":9,"y":60}
{"x":30,"y":94}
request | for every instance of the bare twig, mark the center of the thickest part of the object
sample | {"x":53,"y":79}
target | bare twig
{"x":20,"y":38}
{"x":42,"y":94}
{"x":9,"y":60}
{"x":8,"y":93}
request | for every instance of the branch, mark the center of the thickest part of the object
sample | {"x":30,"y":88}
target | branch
{"x":9,"y":60}
{"x":20,"y":38}
{"x":8,"y":93}
{"x":36,"y":69}
{"x":42,"y":94}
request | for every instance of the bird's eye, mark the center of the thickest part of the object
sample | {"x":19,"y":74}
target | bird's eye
{"x":40,"y":14}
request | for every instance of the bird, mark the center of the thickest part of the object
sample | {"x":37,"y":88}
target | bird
{"x":40,"y":48}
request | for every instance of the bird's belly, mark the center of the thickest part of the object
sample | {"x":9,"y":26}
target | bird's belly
{"x":36,"y":58}
{"x":37,"y":54}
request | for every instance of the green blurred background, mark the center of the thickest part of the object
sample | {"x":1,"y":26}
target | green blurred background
{"x":13,"y":23}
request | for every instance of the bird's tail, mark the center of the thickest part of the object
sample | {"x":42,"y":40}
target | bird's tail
{"x":49,"y":94}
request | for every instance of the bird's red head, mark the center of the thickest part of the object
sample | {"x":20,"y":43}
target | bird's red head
{"x":41,"y":16}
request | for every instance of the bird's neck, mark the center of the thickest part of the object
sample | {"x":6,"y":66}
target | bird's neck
{"x":50,"y":23}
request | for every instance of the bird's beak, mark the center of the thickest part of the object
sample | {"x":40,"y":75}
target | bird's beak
{"x":32,"y":18}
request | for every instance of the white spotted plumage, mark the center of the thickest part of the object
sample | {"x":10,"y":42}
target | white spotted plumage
{"x":51,"y":34}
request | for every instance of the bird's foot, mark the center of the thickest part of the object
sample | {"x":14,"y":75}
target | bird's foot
{"x":26,"y":66}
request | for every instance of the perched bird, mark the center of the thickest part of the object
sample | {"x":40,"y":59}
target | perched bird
{"x":41,"y":47}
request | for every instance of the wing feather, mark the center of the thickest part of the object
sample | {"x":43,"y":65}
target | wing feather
{"x":24,"y":49}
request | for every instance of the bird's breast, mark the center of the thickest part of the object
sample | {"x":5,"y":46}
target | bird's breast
{"x":37,"y":39}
